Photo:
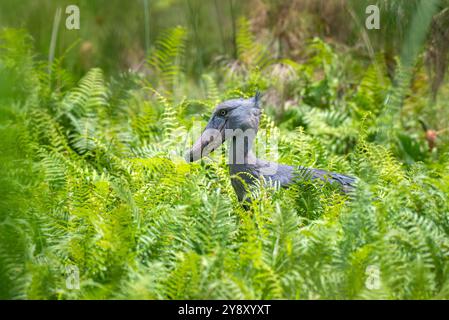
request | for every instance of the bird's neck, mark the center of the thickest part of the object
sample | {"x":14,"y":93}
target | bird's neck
{"x":241,"y":153}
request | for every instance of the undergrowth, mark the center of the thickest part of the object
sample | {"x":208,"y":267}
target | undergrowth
{"x":93,"y":180}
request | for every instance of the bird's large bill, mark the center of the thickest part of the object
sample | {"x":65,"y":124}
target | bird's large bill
{"x":211,"y":138}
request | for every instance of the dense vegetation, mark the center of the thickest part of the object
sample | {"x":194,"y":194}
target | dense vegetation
{"x":93,"y":178}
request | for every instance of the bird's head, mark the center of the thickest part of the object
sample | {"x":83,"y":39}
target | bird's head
{"x":231,"y":118}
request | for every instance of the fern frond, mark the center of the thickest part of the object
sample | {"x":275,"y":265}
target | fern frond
{"x":167,"y":57}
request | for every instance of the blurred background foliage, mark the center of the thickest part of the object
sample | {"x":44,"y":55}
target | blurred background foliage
{"x":93,"y":135}
{"x":115,"y":41}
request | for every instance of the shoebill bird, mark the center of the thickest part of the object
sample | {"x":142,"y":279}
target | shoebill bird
{"x":237,"y":122}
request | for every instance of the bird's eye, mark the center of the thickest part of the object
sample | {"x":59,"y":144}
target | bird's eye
{"x":223,"y":112}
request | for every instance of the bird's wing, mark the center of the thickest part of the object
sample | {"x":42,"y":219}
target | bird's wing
{"x":347,"y":182}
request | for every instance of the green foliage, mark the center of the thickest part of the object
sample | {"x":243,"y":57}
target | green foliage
{"x":166,"y":60}
{"x":93,"y":179}
{"x":249,"y":52}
